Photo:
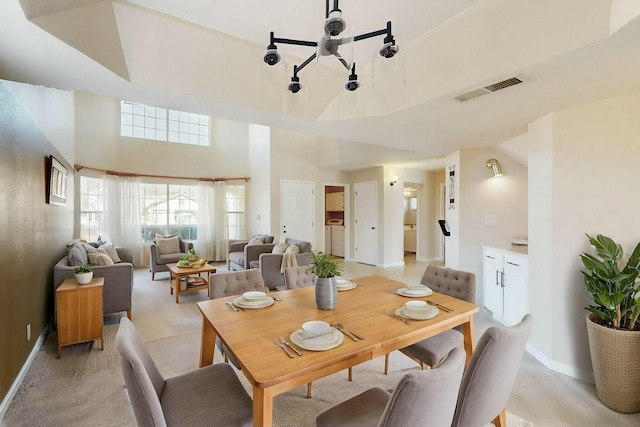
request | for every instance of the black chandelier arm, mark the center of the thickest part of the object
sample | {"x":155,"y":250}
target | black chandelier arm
{"x":304,"y":64}
{"x":295,"y":42}
{"x":383,"y":32}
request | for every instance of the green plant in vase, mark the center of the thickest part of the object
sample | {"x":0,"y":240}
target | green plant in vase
{"x":326,"y":288}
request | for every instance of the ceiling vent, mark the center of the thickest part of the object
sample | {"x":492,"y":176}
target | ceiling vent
{"x":474,"y":93}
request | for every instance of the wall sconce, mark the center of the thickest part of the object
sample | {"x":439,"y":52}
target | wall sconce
{"x":394,"y":179}
{"x":495,"y":167}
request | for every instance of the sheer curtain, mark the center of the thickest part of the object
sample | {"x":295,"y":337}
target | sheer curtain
{"x":212,"y":220}
{"x":122,"y":214}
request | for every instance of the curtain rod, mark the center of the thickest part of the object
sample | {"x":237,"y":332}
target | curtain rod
{"x":78,"y":168}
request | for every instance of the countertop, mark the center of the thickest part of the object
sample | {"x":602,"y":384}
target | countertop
{"x":515,"y":249}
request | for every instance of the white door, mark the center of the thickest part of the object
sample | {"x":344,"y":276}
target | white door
{"x":366,"y":222}
{"x":296,"y":210}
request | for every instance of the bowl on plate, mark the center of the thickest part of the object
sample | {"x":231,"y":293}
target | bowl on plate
{"x":254,"y":295}
{"x":314,"y":328}
{"x":416,"y":306}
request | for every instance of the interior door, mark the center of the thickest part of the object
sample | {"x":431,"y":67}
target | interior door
{"x":366,"y":222}
{"x":296,"y":210}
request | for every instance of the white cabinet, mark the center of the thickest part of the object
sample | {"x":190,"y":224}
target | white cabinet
{"x":337,"y":240}
{"x":506,"y":292}
{"x":334,"y":202}
{"x":327,"y":239}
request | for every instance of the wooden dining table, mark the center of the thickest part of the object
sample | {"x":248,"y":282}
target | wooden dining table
{"x":250,"y":335}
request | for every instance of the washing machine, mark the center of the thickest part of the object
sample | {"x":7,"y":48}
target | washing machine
{"x":337,"y":237}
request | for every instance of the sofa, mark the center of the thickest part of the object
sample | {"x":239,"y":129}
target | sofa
{"x":163,"y":251}
{"x":270,"y":264}
{"x":118,"y":277}
{"x":243,"y":252}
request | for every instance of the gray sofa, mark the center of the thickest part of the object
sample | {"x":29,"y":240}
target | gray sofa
{"x":241,"y":253}
{"x":118,"y":278}
{"x":270,"y":264}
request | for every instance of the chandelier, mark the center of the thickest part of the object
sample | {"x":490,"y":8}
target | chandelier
{"x":329,"y":45}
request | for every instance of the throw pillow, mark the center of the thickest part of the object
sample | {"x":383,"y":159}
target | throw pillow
{"x":112,"y":252}
{"x":258,"y":240}
{"x":168,"y":246}
{"x":279,"y":248}
{"x":77,"y":255}
{"x":99,"y":258}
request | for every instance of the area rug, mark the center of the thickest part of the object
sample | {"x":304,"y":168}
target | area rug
{"x":86,"y":387}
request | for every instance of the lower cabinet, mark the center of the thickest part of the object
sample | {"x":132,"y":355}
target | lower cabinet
{"x":506,"y":291}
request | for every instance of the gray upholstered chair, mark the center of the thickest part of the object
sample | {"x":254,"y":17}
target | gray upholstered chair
{"x":490,"y":375}
{"x":209,"y":396}
{"x":457,"y":284}
{"x":241,"y":253}
{"x":228,"y":283}
{"x":423,"y":398}
{"x":298,"y":277}
{"x":158,"y":261}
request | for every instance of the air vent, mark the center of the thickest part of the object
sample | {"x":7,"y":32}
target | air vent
{"x":474,"y":93}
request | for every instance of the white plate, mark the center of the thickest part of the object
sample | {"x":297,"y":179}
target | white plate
{"x":342,"y":281}
{"x":414,"y":293}
{"x":242,"y":303}
{"x":319,"y":343}
{"x":430,"y":314}
{"x":347,"y":287}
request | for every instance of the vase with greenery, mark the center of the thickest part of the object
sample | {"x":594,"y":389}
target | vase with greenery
{"x":83,"y":274}
{"x":326,"y":271}
{"x":611,"y":277}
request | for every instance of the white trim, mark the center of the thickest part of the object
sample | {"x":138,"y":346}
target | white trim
{"x":4,"y":406}
{"x":393,"y":264}
{"x":561,"y":367}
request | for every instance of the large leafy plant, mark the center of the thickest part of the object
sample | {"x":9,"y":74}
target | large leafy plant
{"x":610,"y":277}
{"x":323,"y":266}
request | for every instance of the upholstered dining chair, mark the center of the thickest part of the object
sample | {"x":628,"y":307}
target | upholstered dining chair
{"x":490,"y":375}
{"x":211,"y":396}
{"x":422,"y":398}
{"x":457,"y":284}
{"x":298,"y":277}
{"x":228,"y":283}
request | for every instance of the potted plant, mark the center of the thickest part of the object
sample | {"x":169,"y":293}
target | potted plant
{"x":612,"y":325}
{"x":326,"y":271}
{"x":83,"y":274}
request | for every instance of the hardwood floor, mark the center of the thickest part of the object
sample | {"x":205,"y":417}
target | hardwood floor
{"x":541,"y":396}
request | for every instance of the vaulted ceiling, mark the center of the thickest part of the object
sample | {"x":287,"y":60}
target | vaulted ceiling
{"x":204,"y":56}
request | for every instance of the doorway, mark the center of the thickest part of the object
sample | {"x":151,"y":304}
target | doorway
{"x":335,"y":215}
{"x":410,"y":200}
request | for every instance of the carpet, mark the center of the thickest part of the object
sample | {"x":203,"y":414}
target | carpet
{"x":86,"y":387}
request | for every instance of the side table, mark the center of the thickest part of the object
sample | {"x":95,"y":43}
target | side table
{"x":80,"y":312}
{"x":186,"y":271}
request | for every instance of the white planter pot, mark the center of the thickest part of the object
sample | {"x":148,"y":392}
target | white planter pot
{"x":84,"y":278}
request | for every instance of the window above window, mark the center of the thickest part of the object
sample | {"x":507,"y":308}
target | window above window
{"x":161,"y":124}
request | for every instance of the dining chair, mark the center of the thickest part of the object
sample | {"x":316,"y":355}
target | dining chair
{"x":298,"y":277}
{"x":490,"y":375}
{"x":422,"y":398}
{"x":211,"y":396}
{"x":454,"y":283}
{"x":228,"y":283}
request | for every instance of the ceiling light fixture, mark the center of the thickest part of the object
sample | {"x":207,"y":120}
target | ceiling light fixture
{"x":495,"y":167}
{"x":329,"y":45}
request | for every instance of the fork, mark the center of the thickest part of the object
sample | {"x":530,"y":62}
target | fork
{"x":395,"y":316}
{"x":285,"y":342}
{"x":282,"y":346}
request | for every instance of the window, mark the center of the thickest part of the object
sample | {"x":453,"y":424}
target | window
{"x":168,"y":209}
{"x":91,"y":208}
{"x":235,"y":211}
{"x":161,"y":124}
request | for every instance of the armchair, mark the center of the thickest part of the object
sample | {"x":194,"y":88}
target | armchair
{"x":241,"y":253}
{"x":158,"y":260}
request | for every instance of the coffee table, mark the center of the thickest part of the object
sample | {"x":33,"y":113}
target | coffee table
{"x":250,"y":335}
{"x":186,"y":271}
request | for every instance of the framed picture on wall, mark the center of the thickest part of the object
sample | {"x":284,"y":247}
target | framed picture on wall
{"x":57,"y":188}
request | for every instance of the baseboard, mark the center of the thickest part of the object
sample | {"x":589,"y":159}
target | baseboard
{"x":430,"y":259}
{"x":393,"y":264}
{"x":4,"y":406}
{"x":561,"y":367}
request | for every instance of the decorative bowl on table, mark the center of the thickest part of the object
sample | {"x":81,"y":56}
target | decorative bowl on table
{"x":314,"y":328}
{"x":199,"y":263}
{"x":254,"y":295}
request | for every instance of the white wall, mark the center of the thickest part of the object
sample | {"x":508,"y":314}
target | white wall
{"x":52,"y":110}
{"x":583,"y":173}
{"x":259,"y":197}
